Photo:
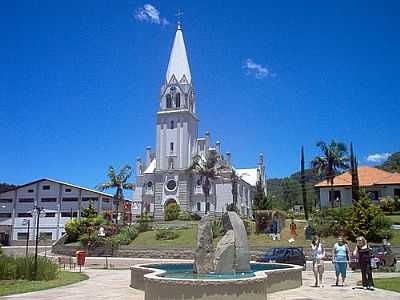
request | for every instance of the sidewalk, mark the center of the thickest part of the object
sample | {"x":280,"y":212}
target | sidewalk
{"x":114,"y":284}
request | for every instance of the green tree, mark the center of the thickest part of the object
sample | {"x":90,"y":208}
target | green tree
{"x":119,"y":182}
{"x":303,"y":185}
{"x":208,"y":170}
{"x":172,"y":211}
{"x":89,"y":212}
{"x":392,"y":164}
{"x":333,"y":161}
{"x":368,"y":220}
{"x":355,"y":185}
{"x":291,"y":191}
{"x":261,"y":201}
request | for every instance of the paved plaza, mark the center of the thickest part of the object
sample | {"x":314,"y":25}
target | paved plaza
{"x":114,"y":284}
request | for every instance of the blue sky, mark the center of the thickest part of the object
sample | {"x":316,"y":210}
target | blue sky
{"x":80,"y":81}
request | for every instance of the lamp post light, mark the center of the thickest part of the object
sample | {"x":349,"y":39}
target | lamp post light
{"x":38,"y":210}
{"x":28,"y":223}
{"x":103,"y":235}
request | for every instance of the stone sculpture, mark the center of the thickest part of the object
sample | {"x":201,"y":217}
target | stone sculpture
{"x":204,"y":255}
{"x":232,"y":253}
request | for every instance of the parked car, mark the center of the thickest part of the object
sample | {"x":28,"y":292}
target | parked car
{"x":287,"y":255}
{"x":385,"y":254}
{"x":382,"y":255}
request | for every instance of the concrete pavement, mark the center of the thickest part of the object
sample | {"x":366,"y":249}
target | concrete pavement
{"x":114,"y":284}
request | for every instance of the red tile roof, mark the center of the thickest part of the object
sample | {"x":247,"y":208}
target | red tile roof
{"x":367,"y":176}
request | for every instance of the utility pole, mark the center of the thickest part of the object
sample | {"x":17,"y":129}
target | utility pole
{"x":38,"y":211}
{"x":27,"y":222}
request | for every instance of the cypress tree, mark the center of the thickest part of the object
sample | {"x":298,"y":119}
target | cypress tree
{"x":355,"y":187}
{"x":303,"y":184}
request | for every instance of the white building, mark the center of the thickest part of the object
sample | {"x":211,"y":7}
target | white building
{"x":377,"y":183}
{"x":61,"y":202}
{"x":163,"y":176}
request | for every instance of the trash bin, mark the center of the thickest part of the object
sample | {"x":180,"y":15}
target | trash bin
{"x":80,"y":258}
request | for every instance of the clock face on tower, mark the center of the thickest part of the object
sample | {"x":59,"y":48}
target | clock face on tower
{"x":171,"y":185}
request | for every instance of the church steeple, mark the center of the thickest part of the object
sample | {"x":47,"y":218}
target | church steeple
{"x":178,"y":65}
{"x":176,"y":118}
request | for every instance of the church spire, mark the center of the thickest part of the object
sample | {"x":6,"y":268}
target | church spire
{"x":178,"y":63}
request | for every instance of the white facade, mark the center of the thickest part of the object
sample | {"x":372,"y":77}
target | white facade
{"x":61,"y":202}
{"x":343,"y":194}
{"x":163,"y":176}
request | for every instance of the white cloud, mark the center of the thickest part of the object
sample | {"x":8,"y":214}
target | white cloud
{"x":257,"y":70}
{"x":378,"y":157}
{"x":148,"y":13}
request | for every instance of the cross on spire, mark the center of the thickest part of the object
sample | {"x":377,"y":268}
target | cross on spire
{"x":178,"y":17}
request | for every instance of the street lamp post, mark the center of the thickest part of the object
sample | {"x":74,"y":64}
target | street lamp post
{"x":27,"y":222}
{"x":38,"y":211}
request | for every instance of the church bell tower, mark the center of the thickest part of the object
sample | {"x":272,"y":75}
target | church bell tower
{"x":176,"y":117}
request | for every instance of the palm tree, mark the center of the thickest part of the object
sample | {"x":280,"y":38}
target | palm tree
{"x":333,"y":161}
{"x":208,"y":169}
{"x":119,"y":183}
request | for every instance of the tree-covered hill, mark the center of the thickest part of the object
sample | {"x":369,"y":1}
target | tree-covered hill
{"x":4,"y":187}
{"x":392,"y":164}
{"x":286,"y":192}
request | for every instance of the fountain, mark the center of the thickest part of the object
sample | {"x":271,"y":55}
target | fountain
{"x":225,"y":273}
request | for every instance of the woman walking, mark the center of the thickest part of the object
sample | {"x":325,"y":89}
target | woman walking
{"x":364,"y":254}
{"x":293,"y":229}
{"x":340,"y":258}
{"x":318,"y":255}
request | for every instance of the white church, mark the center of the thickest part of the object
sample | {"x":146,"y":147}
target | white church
{"x":163,"y":176}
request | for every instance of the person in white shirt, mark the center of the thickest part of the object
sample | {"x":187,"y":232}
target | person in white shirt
{"x":318,"y":255}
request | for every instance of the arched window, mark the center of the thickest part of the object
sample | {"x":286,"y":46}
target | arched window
{"x":171,"y":147}
{"x":169,"y":101}
{"x":178,"y":100}
{"x":172,"y":125}
{"x":170,"y":163}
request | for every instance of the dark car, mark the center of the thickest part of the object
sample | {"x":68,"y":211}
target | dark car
{"x":382,"y":255}
{"x":287,"y":255}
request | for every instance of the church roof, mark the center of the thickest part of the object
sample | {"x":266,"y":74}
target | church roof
{"x":152,"y":166}
{"x":367,"y":176}
{"x":178,"y":65}
{"x":248,"y":175}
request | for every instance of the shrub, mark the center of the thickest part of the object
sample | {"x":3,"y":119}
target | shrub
{"x":367,"y":220}
{"x":388,"y":204}
{"x":100,"y":220}
{"x":72,"y":230}
{"x":12,"y":268}
{"x":144,"y":222}
{"x":91,"y":238}
{"x":217,"y":228}
{"x":126,"y":235}
{"x":195,"y":217}
{"x":89,"y":212}
{"x":247,"y":226}
{"x":171,"y":212}
{"x":184,"y":216}
{"x":331,"y":221}
{"x":165,"y":234}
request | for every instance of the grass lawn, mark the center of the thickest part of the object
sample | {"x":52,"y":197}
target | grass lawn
{"x":395,"y":240}
{"x":391,"y":284}
{"x":188,"y":237}
{"x":395,"y":218}
{"x":9,"y":287}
